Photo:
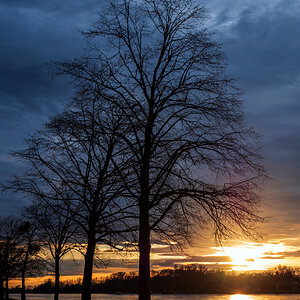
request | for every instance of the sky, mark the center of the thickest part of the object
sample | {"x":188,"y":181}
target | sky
{"x":262,"y":44}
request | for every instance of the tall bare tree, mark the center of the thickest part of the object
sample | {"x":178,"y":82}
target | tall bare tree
{"x":77,"y":160}
{"x":194,"y":158}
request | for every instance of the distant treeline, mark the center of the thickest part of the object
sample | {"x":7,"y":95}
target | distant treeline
{"x":190,"y":279}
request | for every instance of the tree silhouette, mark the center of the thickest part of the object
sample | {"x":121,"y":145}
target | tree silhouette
{"x":31,"y":264}
{"x":9,"y":252}
{"x":57,"y":230}
{"x":76,"y":161}
{"x":194,"y":160}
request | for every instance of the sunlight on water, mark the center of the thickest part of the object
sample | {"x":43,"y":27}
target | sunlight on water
{"x":240,"y":297}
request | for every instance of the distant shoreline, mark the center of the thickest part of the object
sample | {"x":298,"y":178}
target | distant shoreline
{"x":187,"y":280}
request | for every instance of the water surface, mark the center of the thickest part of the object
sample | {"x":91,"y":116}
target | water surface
{"x":164,"y":297}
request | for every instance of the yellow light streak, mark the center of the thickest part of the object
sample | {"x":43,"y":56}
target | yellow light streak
{"x":240,"y":297}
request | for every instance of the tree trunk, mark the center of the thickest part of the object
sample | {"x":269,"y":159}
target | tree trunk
{"x":88,"y":268}
{"x":144,"y":226}
{"x":1,"y":289}
{"x":6,"y":289}
{"x":144,"y":249}
{"x":56,"y":284}
{"x":23,"y":295}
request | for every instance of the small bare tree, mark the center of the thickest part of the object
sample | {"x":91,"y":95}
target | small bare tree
{"x":77,"y":160}
{"x":193,"y":157}
{"x":57,"y":230}
{"x":31,"y":263}
{"x":9,"y":251}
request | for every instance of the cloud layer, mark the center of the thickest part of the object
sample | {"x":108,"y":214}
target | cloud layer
{"x":259,"y":37}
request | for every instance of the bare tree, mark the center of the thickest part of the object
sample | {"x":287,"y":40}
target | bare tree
{"x":77,"y":160}
{"x":194,"y":159}
{"x":57,"y":230}
{"x":9,"y":251}
{"x":31,"y":263}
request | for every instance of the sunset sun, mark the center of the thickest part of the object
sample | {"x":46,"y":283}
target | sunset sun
{"x":241,"y":256}
{"x":252,"y":256}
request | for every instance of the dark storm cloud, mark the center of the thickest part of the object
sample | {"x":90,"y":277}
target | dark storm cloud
{"x":161,"y":250}
{"x":200,"y":259}
{"x":171,"y":264}
{"x":261,"y":40}
{"x":162,"y":264}
{"x":262,"y":44}
{"x":211,"y":261}
{"x":263,"y":49}
{"x":71,"y":267}
{"x":34,"y":33}
{"x":265,"y":46}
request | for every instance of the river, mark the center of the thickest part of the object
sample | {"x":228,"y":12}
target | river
{"x":164,"y":297}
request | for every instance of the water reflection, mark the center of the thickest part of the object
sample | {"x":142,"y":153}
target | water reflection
{"x":163,"y":297}
{"x":240,"y":297}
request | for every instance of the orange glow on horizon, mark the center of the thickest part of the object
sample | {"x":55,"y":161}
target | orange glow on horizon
{"x":242,"y":256}
{"x":257,"y":257}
